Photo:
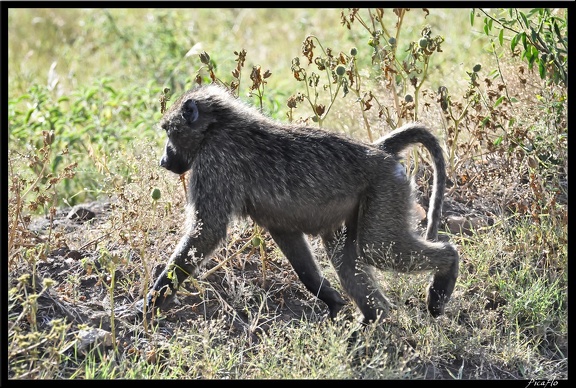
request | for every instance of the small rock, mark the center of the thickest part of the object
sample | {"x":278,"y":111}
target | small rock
{"x":459,"y":224}
{"x":94,"y":337}
{"x":420,"y":213}
{"x":80,"y":213}
{"x":74,"y":255}
{"x":89,"y":281}
{"x":62,"y":251}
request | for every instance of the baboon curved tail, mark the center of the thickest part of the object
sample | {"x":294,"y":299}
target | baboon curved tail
{"x":396,"y":141}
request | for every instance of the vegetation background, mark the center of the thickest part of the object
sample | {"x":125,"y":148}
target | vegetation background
{"x":86,"y":89}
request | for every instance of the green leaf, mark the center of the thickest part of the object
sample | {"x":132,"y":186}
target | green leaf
{"x":531,"y":57}
{"x":557,"y":30}
{"x":499,"y":101}
{"x":498,"y":140}
{"x":543,"y":12}
{"x":109,"y":88}
{"x":527,"y":54}
{"x":501,"y":37}
{"x":523,"y":36}
{"x":524,"y":19}
{"x":90,"y":93}
{"x":533,"y":35}
{"x":28,"y":115}
{"x":541,"y":69}
{"x":514,"y":42}
{"x":472,"y":17}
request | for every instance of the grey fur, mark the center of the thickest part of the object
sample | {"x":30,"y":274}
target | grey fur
{"x":295,"y":180}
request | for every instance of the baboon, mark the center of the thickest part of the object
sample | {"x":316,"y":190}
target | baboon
{"x":298,"y":180}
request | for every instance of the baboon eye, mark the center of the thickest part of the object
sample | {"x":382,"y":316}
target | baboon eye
{"x":190,"y":111}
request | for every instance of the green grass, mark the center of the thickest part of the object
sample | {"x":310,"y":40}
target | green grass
{"x":94,"y":77}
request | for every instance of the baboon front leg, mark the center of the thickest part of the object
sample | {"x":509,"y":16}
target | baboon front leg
{"x":296,"y":249}
{"x":355,"y":276}
{"x":192,"y":250}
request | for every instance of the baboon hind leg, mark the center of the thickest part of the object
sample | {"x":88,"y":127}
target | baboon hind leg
{"x":355,"y":276}
{"x":392,"y":246}
{"x":443,"y":282}
{"x":413,"y":253}
{"x":294,"y":246}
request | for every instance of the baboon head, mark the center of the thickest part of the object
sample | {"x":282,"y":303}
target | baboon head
{"x":180,"y":125}
{"x":187,"y":122}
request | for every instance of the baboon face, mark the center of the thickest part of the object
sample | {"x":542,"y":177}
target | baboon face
{"x":171,"y":160}
{"x":185,"y":132}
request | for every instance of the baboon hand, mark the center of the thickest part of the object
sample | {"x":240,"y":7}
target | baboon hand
{"x":154,"y":299}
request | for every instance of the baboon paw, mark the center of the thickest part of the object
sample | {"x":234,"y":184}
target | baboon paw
{"x":436,"y":311}
{"x":335,"y":308}
{"x":152,"y":301}
{"x":126,"y":311}
{"x":379,"y":315}
{"x":145,"y":306}
{"x":436,"y":302}
{"x":439,"y":292}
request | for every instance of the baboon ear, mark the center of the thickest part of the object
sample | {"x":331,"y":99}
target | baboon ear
{"x":190,"y":111}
